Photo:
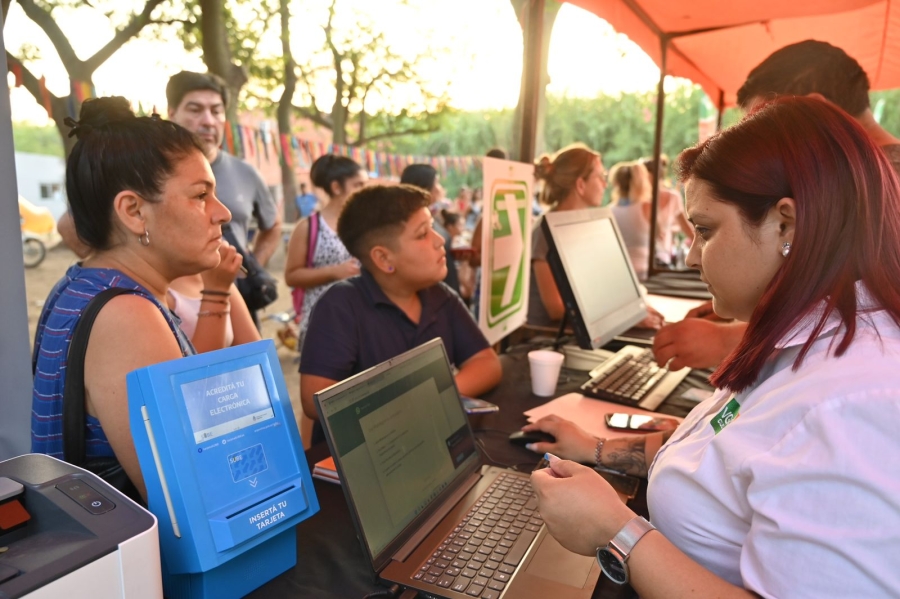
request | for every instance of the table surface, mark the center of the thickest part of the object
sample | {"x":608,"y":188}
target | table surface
{"x":330,"y":561}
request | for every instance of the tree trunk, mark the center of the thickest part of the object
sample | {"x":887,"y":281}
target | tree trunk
{"x":551,"y":9}
{"x":285,"y":109}
{"x":4,"y":7}
{"x":217,"y":53}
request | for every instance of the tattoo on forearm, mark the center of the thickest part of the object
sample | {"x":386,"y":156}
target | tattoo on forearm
{"x":631,"y":456}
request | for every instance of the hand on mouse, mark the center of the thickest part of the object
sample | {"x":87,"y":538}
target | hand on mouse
{"x":572,"y":441}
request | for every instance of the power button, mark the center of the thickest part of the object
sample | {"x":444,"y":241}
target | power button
{"x":86,"y":496}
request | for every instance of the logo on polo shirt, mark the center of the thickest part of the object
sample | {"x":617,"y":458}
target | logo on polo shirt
{"x":508,"y":267}
{"x":726,"y":415}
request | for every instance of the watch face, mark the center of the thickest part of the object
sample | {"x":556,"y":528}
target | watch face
{"x":612,"y":566}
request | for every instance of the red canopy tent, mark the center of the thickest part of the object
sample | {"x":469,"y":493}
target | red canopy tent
{"x":716,"y":43}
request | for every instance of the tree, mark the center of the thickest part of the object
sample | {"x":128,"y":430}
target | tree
{"x":227,"y":33}
{"x":366,"y":74}
{"x":551,"y":9}
{"x":285,"y":106}
{"x":78,"y":70}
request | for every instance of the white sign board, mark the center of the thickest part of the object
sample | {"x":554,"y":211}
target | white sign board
{"x":505,"y":247}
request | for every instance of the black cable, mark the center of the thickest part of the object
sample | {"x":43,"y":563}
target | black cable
{"x":494,"y":462}
{"x":388,"y":593}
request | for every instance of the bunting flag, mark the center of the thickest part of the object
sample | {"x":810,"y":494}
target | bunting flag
{"x":81,"y":90}
{"x":45,"y":96}
{"x":16,"y":69}
{"x":292,"y":151}
{"x":229,"y":139}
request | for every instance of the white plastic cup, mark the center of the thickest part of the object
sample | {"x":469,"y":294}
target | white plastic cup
{"x":545,"y":366}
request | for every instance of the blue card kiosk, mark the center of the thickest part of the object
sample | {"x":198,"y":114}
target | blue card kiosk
{"x":224,"y":468}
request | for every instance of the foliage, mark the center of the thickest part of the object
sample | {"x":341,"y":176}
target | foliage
{"x":37,"y":139}
{"x":619,"y":127}
{"x":374,"y":91}
{"x":890,"y":113}
{"x":128,"y":25}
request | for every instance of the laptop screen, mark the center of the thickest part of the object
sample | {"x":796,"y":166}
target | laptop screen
{"x":592,"y":270}
{"x":400,"y":436}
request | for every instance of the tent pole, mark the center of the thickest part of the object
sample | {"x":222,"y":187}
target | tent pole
{"x":531,"y":78}
{"x":657,"y":150}
{"x":721,"y":108}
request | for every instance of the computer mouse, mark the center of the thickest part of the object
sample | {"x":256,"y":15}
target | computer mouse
{"x":524,"y":438}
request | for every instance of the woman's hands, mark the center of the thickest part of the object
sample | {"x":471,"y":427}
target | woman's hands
{"x":581,"y":509}
{"x":572,"y":441}
{"x":222,"y":276}
{"x":345,"y":270}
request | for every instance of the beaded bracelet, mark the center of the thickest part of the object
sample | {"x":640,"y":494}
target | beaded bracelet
{"x":598,"y":450}
{"x":214,"y":292}
{"x":202,"y":313}
{"x":214,"y":301}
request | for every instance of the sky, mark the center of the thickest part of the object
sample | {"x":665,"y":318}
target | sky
{"x":479,"y":57}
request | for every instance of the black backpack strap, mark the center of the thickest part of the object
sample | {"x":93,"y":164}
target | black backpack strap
{"x":73,"y":392}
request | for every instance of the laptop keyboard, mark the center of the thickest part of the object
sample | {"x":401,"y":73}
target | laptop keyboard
{"x":481,"y":553}
{"x":629,"y":378}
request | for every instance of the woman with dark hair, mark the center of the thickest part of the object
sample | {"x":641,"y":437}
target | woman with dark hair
{"x":142,"y":196}
{"x":330,"y":262}
{"x":781,"y":484}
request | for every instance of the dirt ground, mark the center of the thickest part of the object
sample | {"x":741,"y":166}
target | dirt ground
{"x":40,"y":280}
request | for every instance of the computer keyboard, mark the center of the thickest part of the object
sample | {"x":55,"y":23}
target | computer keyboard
{"x":631,"y":377}
{"x":479,"y":556}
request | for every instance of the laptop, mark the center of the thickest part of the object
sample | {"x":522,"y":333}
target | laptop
{"x":428,"y":513}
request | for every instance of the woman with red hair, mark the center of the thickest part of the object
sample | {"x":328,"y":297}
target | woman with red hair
{"x":783,"y":483}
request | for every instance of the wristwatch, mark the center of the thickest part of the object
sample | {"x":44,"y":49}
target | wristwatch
{"x":613,"y":558}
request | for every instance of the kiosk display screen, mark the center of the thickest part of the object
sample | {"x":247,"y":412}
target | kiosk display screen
{"x":226,"y":402}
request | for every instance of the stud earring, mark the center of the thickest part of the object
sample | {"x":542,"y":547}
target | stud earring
{"x":144,"y":238}
{"x":785,"y":248}
{"x":390,"y":269}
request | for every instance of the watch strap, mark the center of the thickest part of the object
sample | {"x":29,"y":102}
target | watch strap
{"x":630,"y":534}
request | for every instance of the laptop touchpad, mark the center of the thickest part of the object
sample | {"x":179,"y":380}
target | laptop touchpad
{"x":554,"y":562}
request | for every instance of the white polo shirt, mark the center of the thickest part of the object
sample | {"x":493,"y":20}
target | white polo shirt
{"x":799,"y":494}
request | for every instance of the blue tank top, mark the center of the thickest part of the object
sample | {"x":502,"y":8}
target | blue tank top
{"x":54,"y":332}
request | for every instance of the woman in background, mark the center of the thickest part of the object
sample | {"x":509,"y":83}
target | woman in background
{"x":631,"y":207}
{"x":338,"y":177}
{"x":573,"y":179}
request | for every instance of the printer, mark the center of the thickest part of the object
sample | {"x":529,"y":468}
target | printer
{"x":64,"y":532}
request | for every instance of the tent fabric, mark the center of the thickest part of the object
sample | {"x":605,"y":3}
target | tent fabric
{"x":715,"y":44}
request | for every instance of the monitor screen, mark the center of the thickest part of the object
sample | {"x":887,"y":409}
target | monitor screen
{"x":594,"y":275}
{"x":401,"y":437}
{"x":221,"y":404}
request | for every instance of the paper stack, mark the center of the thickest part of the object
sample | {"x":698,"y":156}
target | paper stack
{"x":589,"y":413}
{"x":326,"y":470}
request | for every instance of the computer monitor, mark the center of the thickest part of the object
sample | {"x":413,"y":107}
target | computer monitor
{"x":596,"y":280}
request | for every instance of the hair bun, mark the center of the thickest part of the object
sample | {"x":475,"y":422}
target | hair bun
{"x":543,"y":168}
{"x":99,"y":112}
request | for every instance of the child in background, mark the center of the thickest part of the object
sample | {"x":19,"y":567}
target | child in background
{"x":330,"y":262}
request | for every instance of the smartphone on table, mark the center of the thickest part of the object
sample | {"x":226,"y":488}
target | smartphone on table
{"x":478,"y":406}
{"x":640,"y":423}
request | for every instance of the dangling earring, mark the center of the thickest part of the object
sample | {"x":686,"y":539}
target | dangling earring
{"x":145,"y":238}
{"x":786,"y":248}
